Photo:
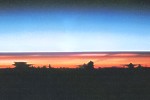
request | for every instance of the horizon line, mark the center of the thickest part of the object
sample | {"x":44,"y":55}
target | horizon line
{"x":107,"y":51}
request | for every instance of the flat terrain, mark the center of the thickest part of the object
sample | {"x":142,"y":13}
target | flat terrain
{"x":75,"y":84}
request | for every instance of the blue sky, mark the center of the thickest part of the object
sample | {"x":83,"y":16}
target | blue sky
{"x":73,"y":30}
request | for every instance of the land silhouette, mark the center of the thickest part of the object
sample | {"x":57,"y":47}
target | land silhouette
{"x":26,"y":82}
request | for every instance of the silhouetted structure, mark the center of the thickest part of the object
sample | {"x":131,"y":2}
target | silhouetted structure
{"x":44,"y":67}
{"x":88,"y":66}
{"x":139,"y":66}
{"x":73,"y":84}
{"x":49,"y":66}
{"x":21,"y":65}
{"x":131,"y":66}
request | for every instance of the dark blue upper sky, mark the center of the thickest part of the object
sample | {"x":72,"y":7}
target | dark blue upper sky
{"x":74,"y":29}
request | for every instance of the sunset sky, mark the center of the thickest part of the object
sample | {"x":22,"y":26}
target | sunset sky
{"x":74,"y":59}
{"x":74,"y":26}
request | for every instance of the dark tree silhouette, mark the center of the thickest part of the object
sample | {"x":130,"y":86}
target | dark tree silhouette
{"x":44,"y":67}
{"x":49,"y":66}
{"x":139,"y":66}
{"x":131,"y":66}
{"x":90,"y":65}
{"x":84,"y":65}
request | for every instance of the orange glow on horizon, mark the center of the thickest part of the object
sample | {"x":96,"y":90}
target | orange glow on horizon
{"x":73,"y":60}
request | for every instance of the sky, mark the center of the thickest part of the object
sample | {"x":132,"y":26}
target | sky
{"x":74,"y":26}
{"x":75,"y":59}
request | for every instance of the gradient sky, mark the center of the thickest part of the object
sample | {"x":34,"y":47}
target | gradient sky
{"x":74,"y":59}
{"x":74,"y":26}
{"x":31,"y":26}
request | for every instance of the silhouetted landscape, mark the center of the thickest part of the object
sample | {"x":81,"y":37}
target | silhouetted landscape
{"x":84,"y":83}
{"x":74,"y":49}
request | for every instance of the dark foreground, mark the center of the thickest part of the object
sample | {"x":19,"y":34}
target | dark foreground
{"x":64,"y":84}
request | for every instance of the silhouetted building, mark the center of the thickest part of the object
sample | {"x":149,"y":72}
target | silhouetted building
{"x":21,"y":65}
